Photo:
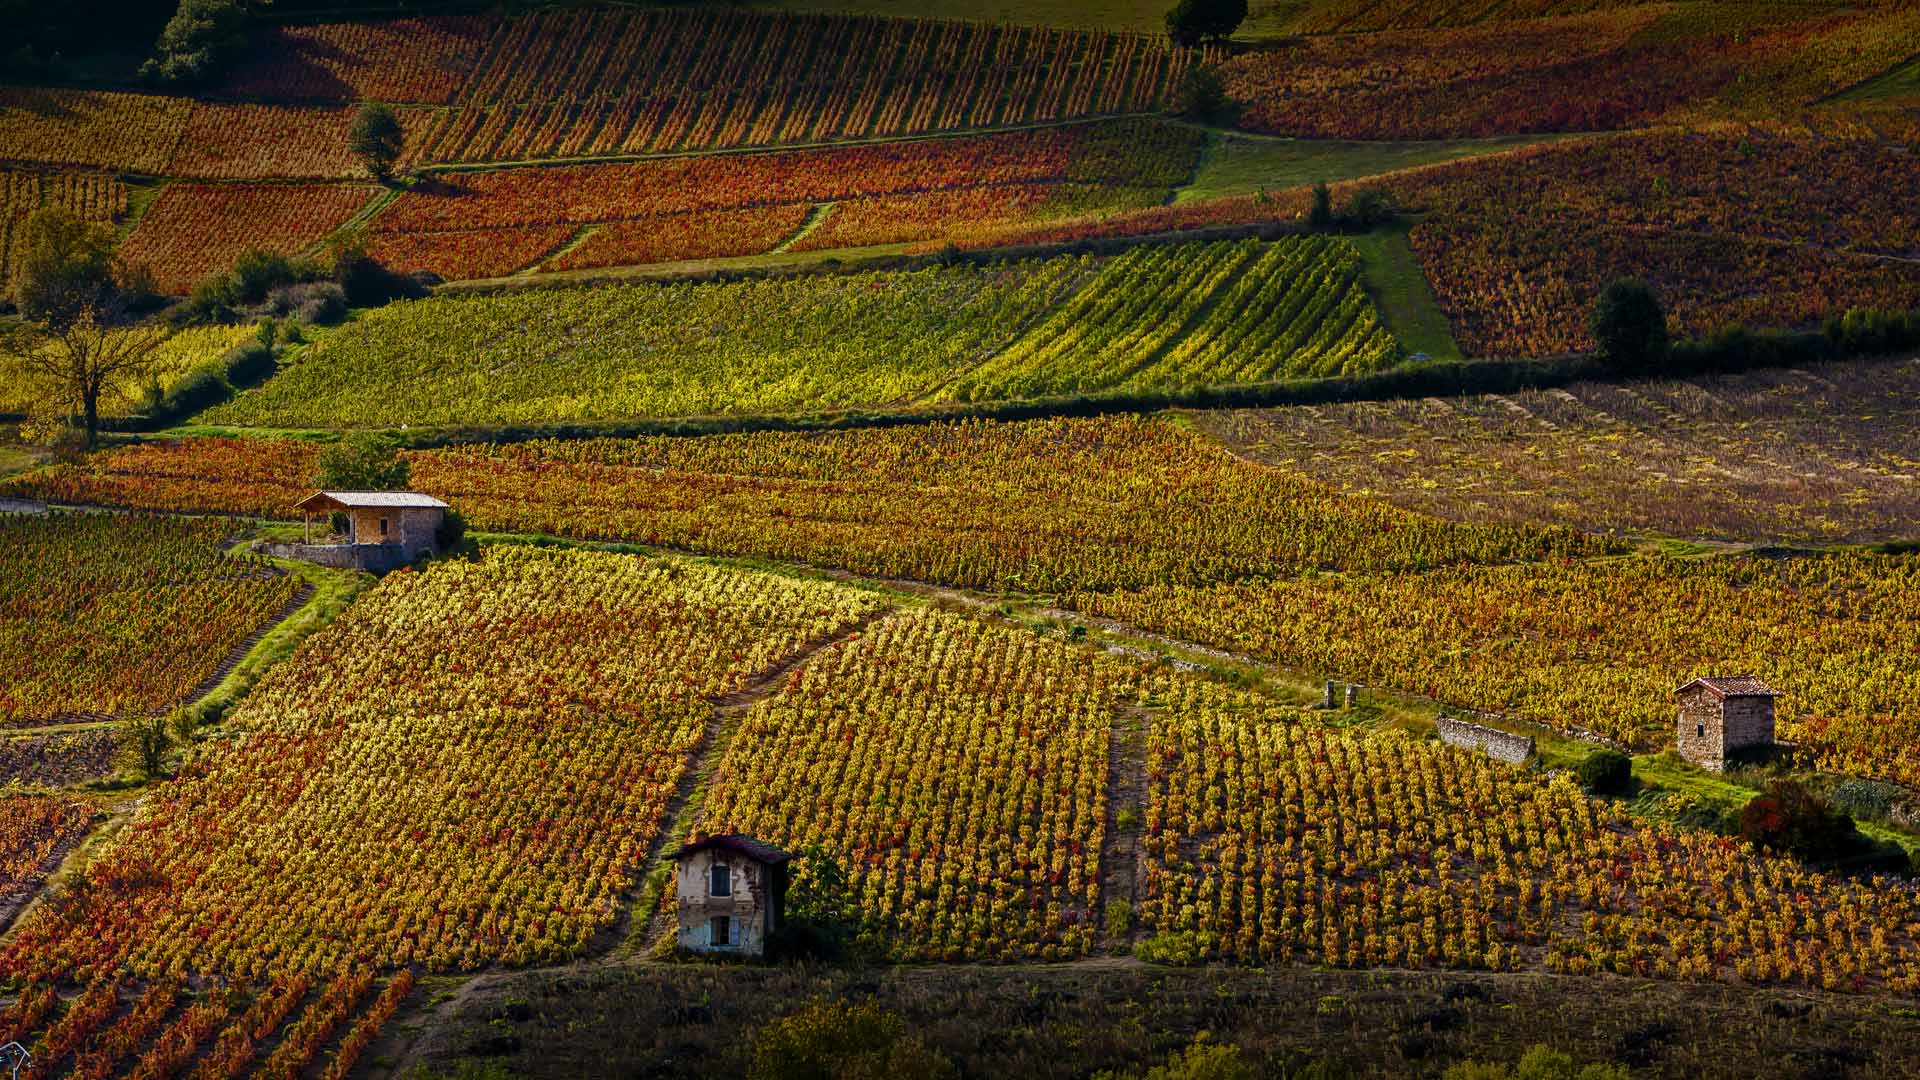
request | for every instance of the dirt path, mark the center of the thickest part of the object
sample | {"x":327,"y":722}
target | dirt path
{"x":1120,"y":854}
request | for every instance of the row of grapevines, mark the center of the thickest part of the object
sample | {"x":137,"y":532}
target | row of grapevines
{"x":32,"y":829}
{"x":956,"y":771}
{"x":1600,"y":646}
{"x":714,"y":235}
{"x":1273,"y":841}
{"x":1045,"y":505}
{"x":424,"y":60}
{"x":774,"y":345}
{"x":109,"y":615}
{"x":122,"y":132}
{"x":195,"y":230}
{"x":1136,"y":153}
{"x":577,"y":83}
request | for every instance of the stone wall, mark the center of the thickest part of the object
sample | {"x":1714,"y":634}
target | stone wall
{"x":1496,"y":744}
{"x":1749,"y":724}
{"x":22,"y":506}
{"x":1699,"y":736}
{"x":373,"y":558}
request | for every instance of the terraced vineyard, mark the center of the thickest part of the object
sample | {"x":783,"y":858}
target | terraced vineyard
{"x":1598,"y":646}
{"x":1273,"y":841}
{"x":183,"y":354}
{"x":1153,"y":319}
{"x":491,"y":223}
{"x":485,"y":675}
{"x":1816,"y":455}
{"x":92,"y":198}
{"x":195,"y":230}
{"x":573,"y":84}
{"x":107,"y":616}
{"x":1040,"y":506}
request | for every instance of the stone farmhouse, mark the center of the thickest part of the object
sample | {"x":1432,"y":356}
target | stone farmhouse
{"x":1725,"y":718}
{"x":732,"y":894}
{"x":385,"y":529}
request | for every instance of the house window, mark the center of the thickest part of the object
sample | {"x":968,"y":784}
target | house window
{"x":722,"y":883}
{"x":1700,"y":730}
{"x":721,"y":932}
{"x":383,"y":526}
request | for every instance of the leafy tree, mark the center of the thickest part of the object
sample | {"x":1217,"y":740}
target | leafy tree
{"x":1320,"y":215}
{"x":1366,"y":208}
{"x":363,"y":461}
{"x":376,"y":139}
{"x":1630,"y":326}
{"x":66,"y":267}
{"x":201,"y":36}
{"x":148,"y":739}
{"x":1790,"y":818}
{"x":1606,"y":772}
{"x":77,"y":337}
{"x":1203,"y":95}
{"x":1193,"y":21}
{"x":835,"y":1040}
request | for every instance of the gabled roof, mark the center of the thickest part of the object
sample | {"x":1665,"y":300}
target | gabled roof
{"x":740,"y":845}
{"x":369,"y":500}
{"x":1727,"y":686}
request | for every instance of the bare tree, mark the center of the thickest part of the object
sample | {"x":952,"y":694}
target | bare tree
{"x":84,"y":358}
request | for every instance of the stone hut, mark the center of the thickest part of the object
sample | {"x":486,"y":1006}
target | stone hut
{"x":1725,"y":718}
{"x":732,"y":894}
{"x":385,"y":529}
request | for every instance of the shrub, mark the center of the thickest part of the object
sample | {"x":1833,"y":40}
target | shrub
{"x":1321,"y":214}
{"x":835,"y":1040}
{"x":1606,"y":772}
{"x":1203,"y":95}
{"x":1789,"y":818}
{"x":363,"y":461}
{"x":1366,"y":208}
{"x":1119,"y":918}
{"x":1630,"y":326}
{"x":1180,"y":948}
{"x":1193,"y":21}
{"x":366,"y":281}
{"x":451,"y":531}
{"x":315,"y":303}
{"x":1203,"y":1060}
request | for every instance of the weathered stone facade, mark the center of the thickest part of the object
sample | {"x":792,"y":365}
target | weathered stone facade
{"x":1496,"y":744}
{"x":411,"y":529}
{"x":1724,"y":720}
{"x":731,"y":891}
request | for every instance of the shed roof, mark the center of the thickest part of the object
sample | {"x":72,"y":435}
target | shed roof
{"x":369,"y":500}
{"x":1727,"y":686}
{"x":740,"y":845}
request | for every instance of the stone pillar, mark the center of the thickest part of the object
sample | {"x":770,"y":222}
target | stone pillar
{"x":1353,"y":695}
{"x":1326,"y":702}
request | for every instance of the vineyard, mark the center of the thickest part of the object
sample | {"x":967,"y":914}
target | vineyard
{"x":423,"y":61}
{"x":1598,"y":646}
{"x":1619,"y":67}
{"x":1811,"y":455}
{"x":1274,"y":841}
{"x":580,"y":83}
{"x":499,"y":738}
{"x":123,"y":132}
{"x":195,"y":230}
{"x":1716,"y":221}
{"x":1058,"y":504}
{"x":481,"y":224}
{"x":1155,"y":318}
{"x":955,"y":770}
{"x":92,"y":198}
{"x":181,"y":355}
{"x":101,"y":615}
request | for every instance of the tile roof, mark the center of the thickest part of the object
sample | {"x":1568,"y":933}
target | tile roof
{"x":739,"y":845}
{"x":1732,"y":686}
{"x":371,"y":500}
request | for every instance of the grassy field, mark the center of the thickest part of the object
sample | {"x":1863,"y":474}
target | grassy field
{"x":1239,"y":164}
{"x":1902,"y":83}
{"x":1400,"y":290}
